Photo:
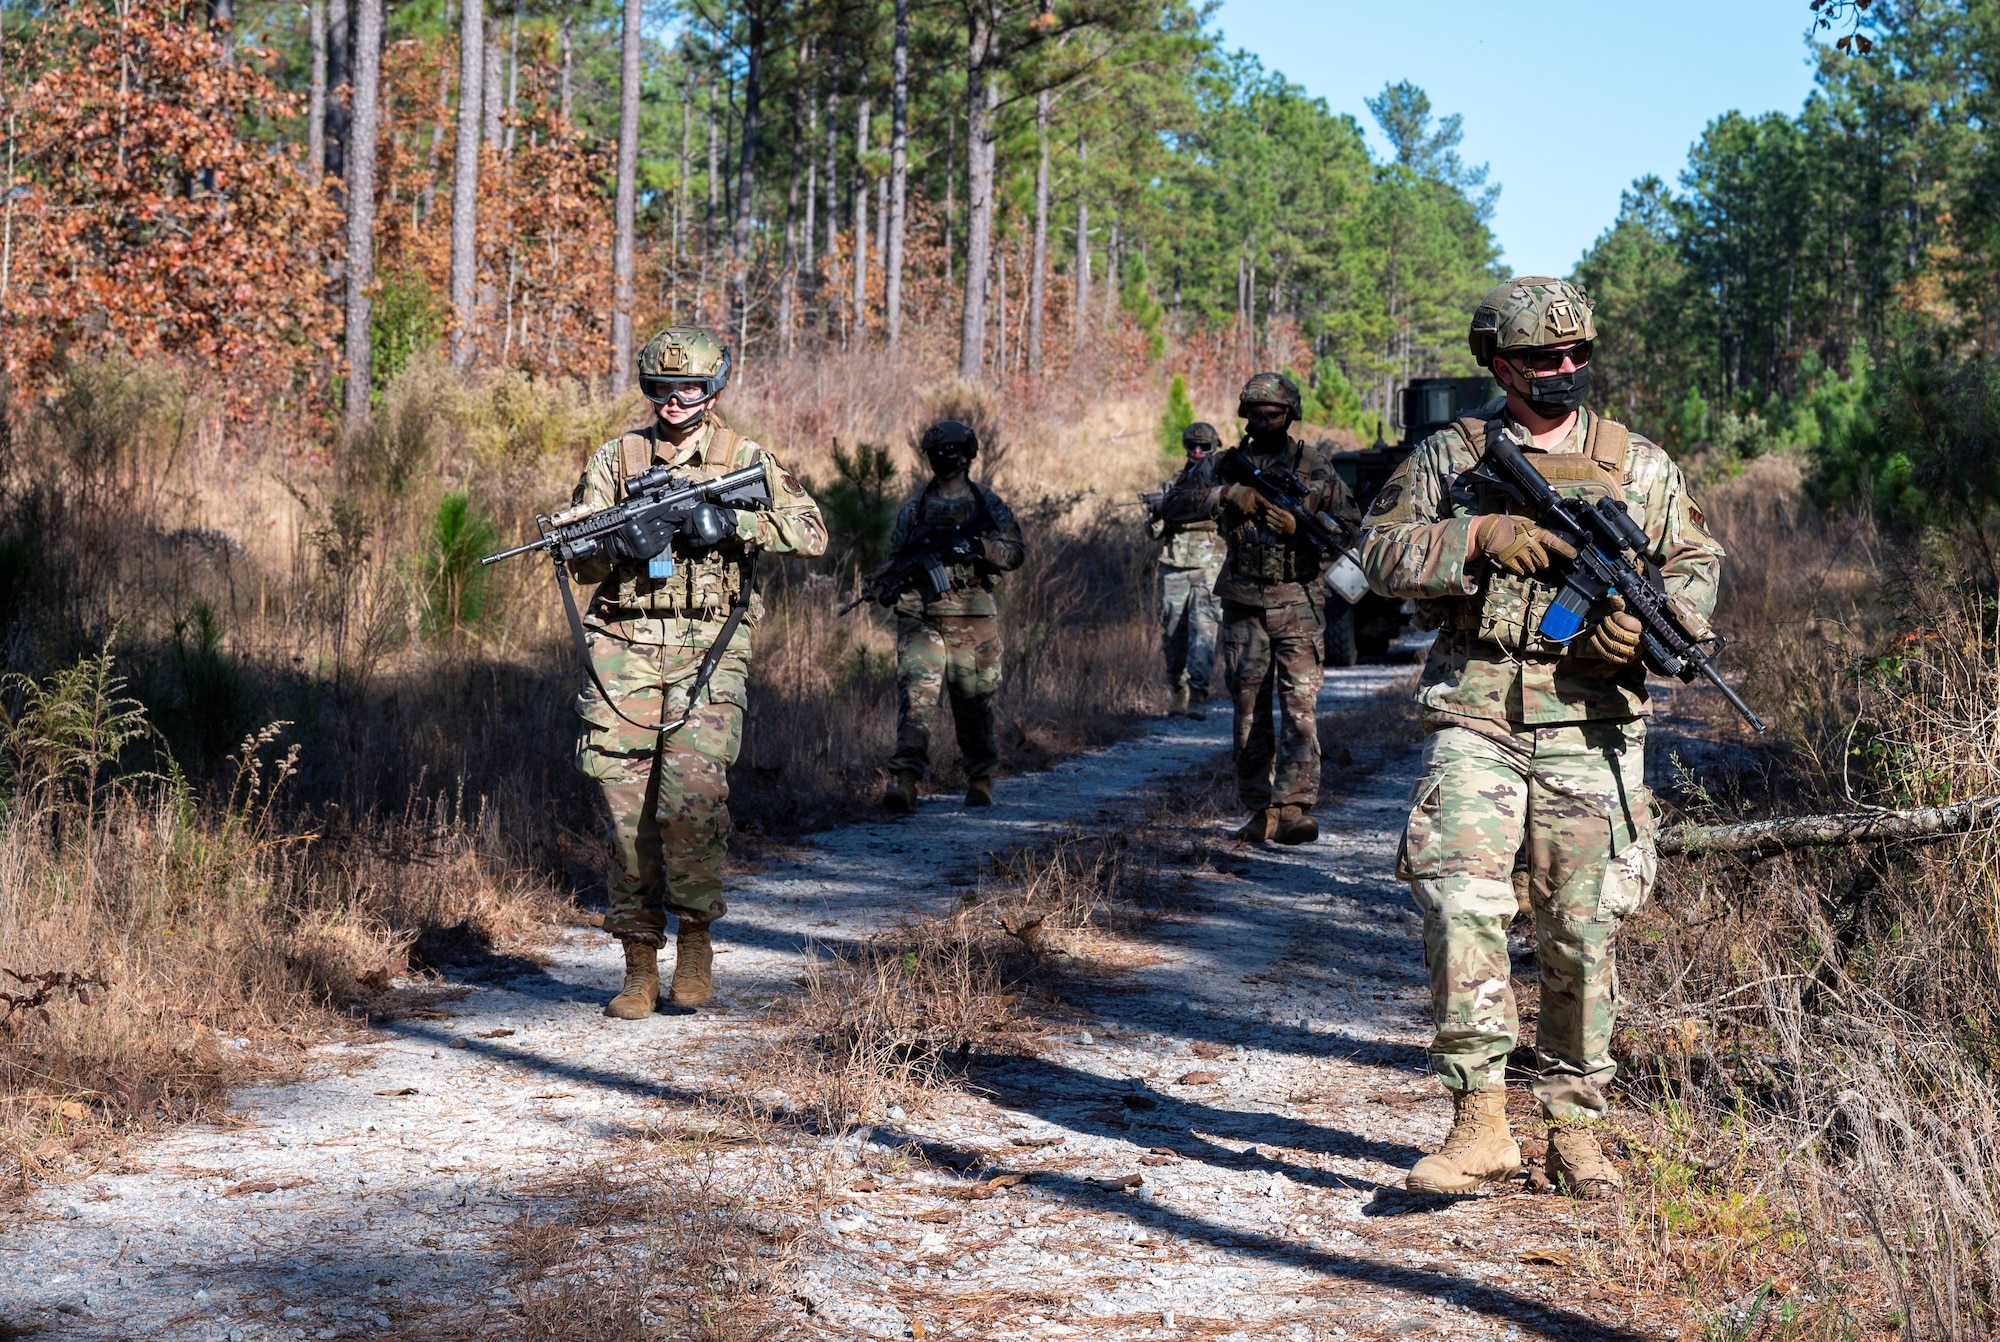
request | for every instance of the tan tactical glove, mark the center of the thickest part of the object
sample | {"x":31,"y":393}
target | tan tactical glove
{"x":1257,"y":508}
{"x":1518,"y":545}
{"x":1615,"y":636}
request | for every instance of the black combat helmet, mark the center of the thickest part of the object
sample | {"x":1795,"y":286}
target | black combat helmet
{"x":952,"y":440}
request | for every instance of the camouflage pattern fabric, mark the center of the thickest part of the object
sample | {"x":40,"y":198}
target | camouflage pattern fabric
{"x":1263,"y":569}
{"x":971,"y":591}
{"x":1489,"y":661}
{"x":938,"y":654}
{"x":1272,"y":660}
{"x":1573,"y":799}
{"x":668,"y":800}
{"x":1188,"y":622}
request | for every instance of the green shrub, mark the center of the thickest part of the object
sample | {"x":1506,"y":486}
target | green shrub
{"x":1175,"y":419}
{"x":454,"y":580}
{"x":405,"y":321}
{"x":859,"y":506}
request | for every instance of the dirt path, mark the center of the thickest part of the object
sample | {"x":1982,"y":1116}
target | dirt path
{"x":1263,"y":1075}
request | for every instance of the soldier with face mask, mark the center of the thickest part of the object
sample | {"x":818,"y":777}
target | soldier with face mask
{"x":1191,"y":555}
{"x":948,"y":641}
{"x":1273,"y":609}
{"x":1533,"y":747}
{"x":659,"y":751}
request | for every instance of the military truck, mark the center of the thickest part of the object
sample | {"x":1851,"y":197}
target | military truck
{"x":1364,"y":631}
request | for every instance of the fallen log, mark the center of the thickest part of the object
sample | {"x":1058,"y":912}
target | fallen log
{"x":1768,"y":838}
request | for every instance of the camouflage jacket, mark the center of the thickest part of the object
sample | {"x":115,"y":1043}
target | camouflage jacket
{"x":1192,"y":543}
{"x":1263,"y":569}
{"x":1489,"y":661}
{"x":971,"y":590}
{"x":668,"y":610}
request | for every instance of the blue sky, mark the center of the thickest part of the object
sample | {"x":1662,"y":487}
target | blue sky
{"x":1567,"y":102}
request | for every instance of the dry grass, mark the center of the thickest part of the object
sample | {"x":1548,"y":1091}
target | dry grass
{"x":1814,"y":1034}
{"x":244,"y":574}
{"x":678,"y":1242}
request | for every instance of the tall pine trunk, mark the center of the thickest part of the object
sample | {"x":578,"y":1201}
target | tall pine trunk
{"x":899,"y":174}
{"x":626,"y":207}
{"x":860,"y":300}
{"x":362,"y":132}
{"x":491,"y":103}
{"x":746,"y":175}
{"x":831,"y":186}
{"x":1080,"y":294}
{"x":316,"y":99}
{"x":338,"y":33}
{"x":982,"y":98}
{"x":1038,"y":263}
{"x":465,"y":180}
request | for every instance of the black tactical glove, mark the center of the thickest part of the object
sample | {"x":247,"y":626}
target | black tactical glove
{"x":962,"y":550}
{"x":640,"y":539}
{"x":707,"y":525}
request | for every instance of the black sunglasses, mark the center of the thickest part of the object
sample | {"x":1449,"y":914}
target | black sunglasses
{"x":1550,"y":360}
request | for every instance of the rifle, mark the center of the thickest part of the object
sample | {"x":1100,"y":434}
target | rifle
{"x":1320,"y":530}
{"x":1601,"y":534}
{"x":920,"y":564}
{"x":659,"y":507}
{"x":1150,"y":501}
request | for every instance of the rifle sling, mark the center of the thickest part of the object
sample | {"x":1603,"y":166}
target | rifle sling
{"x":710,"y":660}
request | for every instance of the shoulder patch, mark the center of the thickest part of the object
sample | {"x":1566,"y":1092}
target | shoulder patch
{"x":1386,"y":500}
{"x":790,"y":483}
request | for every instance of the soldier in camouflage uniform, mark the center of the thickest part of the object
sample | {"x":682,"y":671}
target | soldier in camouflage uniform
{"x":1273,"y":610}
{"x":1191,"y":556}
{"x":1533,"y":747}
{"x":950,"y":643}
{"x":648,"y":628}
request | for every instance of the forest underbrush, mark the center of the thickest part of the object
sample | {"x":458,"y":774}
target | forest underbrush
{"x":275,"y":738}
{"x":1811,"y":1036}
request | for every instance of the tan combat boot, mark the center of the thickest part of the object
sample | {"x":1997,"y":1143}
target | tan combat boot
{"x":641,"y":993}
{"x":901,"y":796}
{"x":1478,"y":1150}
{"x":1260,"y":826}
{"x":1296,"y":825}
{"x":1178,"y":706}
{"x":1577,"y":1165}
{"x":694,"y":965}
{"x":979,"y":792}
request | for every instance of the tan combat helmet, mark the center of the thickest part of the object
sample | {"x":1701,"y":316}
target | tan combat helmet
{"x":1529,"y":312}
{"x":684,"y":364}
{"x":1270,"y":389}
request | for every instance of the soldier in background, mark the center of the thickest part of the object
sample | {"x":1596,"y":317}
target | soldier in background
{"x":1532,"y":746}
{"x":949,"y":643}
{"x":647,"y":630}
{"x":1191,"y":556}
{"x":1273,"y":610}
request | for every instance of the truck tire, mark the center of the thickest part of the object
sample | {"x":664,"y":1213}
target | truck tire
{"x":1371,"y":647}
{"x":1340,"y":648}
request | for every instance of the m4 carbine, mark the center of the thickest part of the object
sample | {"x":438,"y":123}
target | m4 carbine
{"x":1319,"y":530}
{"x":1602,"y":533}
{"x":659,"y":508}
{"x":920,"y":564}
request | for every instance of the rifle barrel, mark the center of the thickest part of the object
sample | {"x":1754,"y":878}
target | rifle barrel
{"x":540,"y":544}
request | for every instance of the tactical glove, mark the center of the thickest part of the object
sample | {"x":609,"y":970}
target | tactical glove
{"x":1518,"y":545}
{"x":1615,"y":637}
{"x":1257,"y":508}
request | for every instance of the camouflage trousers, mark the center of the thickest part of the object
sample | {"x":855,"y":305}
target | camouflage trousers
{"x":1274,"y":659}
{"x":1188,"y":620}
{"x":1573,"y":799}
{"x":938,"y":655}
{"x":667,"y":797}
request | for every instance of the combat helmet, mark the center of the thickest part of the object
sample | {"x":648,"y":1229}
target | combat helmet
{"x":950,"y":438}
{"x":1199,"y":439}
{"x":681,"y":361}
{"x":1529,"y":312}
{"x":1270,"y":389}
